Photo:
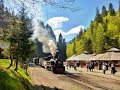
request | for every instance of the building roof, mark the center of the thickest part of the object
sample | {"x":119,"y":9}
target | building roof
{"x":84,"y":57}
{"x":108,"y":56}
{"x":111,"y":54}
{"x":96,"y":57}
{"x":81,"y":57}
{"x":71,"y":58}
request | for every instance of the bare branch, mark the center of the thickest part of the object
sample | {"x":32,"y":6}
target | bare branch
{"x":64,"y":4}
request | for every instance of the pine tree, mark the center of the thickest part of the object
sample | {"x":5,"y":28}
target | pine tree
{"x":87,"y":45}
{"x":64,"y":50}
{"x":119,"y":41}
{"x":119,"y":6}
{"x":119,"y":9}
{"x":24,"y":47}
{"x":102,"y":34}
{"x":59,"y":45}
{"x":104,"y":11}
{"x":80,"y":33}
{"x":2,"y":20}
{"x":74,"y":47}
{"x":12,"y":38}
{"x":99,"y":40}
{"x":98,"y":17}
{"x":111,"y":10}
{"x":91,"y":28}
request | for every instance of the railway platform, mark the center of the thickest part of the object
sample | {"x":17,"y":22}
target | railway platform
{"x":95,"y":72}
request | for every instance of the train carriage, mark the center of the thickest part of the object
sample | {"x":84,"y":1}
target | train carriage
{"x":51,"y":63}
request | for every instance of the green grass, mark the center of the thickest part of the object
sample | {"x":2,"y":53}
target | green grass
{"x":12,"y":80}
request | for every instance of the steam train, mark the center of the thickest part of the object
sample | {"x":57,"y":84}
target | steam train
{"x":51,"y":63}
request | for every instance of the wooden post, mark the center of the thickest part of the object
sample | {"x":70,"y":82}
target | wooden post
{"x":99,"y":65}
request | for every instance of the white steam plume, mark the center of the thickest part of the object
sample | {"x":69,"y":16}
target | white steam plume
{"x":53,"y":47}
{"x":43,"y":36}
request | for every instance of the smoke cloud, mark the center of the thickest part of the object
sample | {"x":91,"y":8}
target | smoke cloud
{"x":43,"y":36}
{"x":53,"y":47}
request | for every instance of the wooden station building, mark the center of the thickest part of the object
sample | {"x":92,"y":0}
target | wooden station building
{"x":111,"y":56}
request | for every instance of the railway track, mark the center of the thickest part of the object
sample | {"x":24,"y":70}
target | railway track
{"x":86,"y":83}
{"x":105,"y":77}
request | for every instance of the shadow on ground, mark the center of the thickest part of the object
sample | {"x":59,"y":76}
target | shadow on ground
{"x":9,"y":83}
{"x":29,"y":86}
{"x":42,"y":87}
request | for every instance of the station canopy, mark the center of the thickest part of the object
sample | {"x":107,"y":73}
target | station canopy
{"x":111,"y":55}
{"x":81,"y":57}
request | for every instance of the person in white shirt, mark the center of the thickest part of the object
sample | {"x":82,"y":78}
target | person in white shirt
{"x":104,"y":68}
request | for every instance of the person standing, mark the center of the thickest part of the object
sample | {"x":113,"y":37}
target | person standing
{"x":92,"y":66}
{"x":75,"y":66}
{"x":67,"y":65}
{"x":113,"y":71}
{"x":104,"y":68}
{"x":87,"y":66}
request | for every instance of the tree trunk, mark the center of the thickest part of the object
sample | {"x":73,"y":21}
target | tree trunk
{"x":16,"y":65}
{"x":27,"y":71}
{"x":26,"y":67}
{"x":11,"y":63}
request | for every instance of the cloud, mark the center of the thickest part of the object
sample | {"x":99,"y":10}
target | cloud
{"x":57,"y":25}
{"x":56,"y":22}
{"x":74,"y":30}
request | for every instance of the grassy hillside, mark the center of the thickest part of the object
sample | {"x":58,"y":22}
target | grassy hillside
{"x":11,"y":80}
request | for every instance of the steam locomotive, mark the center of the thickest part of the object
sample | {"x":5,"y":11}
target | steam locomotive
{"x":51,"y":63}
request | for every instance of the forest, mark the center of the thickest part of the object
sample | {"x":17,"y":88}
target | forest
{"x":15,"y":33}
{"x":102,"y":34}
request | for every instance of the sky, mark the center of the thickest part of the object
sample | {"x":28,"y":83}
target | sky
{"x":67,"y":21}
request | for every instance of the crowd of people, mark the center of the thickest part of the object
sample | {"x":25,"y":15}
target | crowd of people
{"x":90,"y":66}
{"x":112,"y":65}
{"x":72,"y":65}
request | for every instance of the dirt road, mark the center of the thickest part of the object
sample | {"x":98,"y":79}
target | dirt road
{"x":83,"y":81}
{"x":44,"y":77}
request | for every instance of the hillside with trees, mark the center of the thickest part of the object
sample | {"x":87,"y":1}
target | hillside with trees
{"x":16,"y":31}
{"x":103,"y":33}
{"x":16,"y":48}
